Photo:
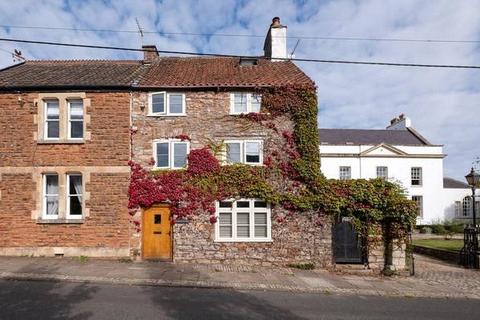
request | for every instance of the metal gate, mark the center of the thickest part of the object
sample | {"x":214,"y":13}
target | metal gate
{"x":347,"y":243}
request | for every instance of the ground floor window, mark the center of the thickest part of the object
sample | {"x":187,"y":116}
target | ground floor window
{"x":62,"y":196}
{"x":419,"y":201}
{"x":243,"y":220}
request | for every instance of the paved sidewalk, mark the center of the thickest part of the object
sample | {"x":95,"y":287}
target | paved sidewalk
{"x":433,"y":278}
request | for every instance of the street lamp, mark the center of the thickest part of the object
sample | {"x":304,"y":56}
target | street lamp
{"x":470,"y":251}
{"x":473,"y":180}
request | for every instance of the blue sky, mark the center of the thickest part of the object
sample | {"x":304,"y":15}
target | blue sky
{"x":443,"y":104}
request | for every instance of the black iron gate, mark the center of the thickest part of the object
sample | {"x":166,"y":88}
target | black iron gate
{"x":347,"y":243}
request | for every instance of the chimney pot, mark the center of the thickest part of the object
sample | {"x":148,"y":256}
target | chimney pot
{"x":276,"y":22}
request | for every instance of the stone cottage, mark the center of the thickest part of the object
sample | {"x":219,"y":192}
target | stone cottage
{"x":64,"y":174}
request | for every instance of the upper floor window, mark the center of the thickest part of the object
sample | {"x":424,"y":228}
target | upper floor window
{"x":382,"y":172}
{"x":75,"y":119}
{"x":170,"y":154}
{"x":243,"y":220}
{"x":52,"y":119}
{"x":61,"y":117}
{"x":50,"y":196}
{"x":242,"y":102}
{"x":416,"y":176}
{"x":419,"y":201}
{"x":166,"y":104}
{"x":244,"y":151}
{"x":345,"y":173}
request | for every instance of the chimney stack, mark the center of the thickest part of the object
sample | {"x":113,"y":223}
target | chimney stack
{"x":400,"y":123}
{"x":150,"y":53}
{"x":275,"y":47}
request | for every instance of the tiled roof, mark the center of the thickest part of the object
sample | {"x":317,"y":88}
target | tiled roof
{"x":220,"y":72}
{"x":163,"y":72}
{"x":70,"y":73}
{"x":370,"y":137}
{"x":450,"y":183}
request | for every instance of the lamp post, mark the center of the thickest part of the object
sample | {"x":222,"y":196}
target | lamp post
{"x":473,"y":179}
{"x":470,"y":237}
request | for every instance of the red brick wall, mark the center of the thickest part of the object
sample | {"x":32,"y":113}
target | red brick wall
{"x":109,"y":127}
{"x":107,"y":225}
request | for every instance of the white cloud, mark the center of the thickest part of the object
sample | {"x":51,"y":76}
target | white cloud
{"x":443,"y":104}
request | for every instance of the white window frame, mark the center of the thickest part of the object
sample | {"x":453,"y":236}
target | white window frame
{"x":382,"y":168}
{"x":458,"y":209}
{"x":68,"y":195}
{"x":44,"y":196}
{"x":171,"y":143}
{"x":69,"y":120}
{"x":166,"y":101}
{"x":340,"y":177}
{"x":251,"y":210}
{"x":249,"y":102}
{"x":419,"y":201}
{"x":243,"y":151}
{"x":420,"y":173}
{"x":45,"y":120}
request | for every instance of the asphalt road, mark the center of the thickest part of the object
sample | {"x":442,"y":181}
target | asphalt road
{"x":62,"y":300}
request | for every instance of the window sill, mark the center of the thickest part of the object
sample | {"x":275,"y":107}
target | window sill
{"x":166,"y":115}
{"x":243,"y":240}
{"x":60,"y":221}
{"x":62,"y":141}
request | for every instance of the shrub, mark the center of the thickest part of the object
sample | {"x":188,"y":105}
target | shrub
{"x":438,"y":229}
{"x":423,"y":230}
{"x":454,"y":227}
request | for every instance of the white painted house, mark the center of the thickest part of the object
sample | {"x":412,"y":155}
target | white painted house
{"x":400,"y":154}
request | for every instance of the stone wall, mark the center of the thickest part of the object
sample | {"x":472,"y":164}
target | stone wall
{"x":299,"y":239}
{"x":101,"y":159}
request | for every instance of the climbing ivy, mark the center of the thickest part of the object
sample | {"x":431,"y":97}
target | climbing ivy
{"x":290,"y":176}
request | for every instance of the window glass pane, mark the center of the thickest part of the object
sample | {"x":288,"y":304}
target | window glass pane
{"x":419,"y":202}
{"x":260,"y":218}
{"x":233,"y":152}
{"x":158,"y":102}
{"x":252,"y":150}
{"x":53,"y":129}
{"x":179,"y":155}
{"x":76,"y":129}
{"x":52,"y":205}
{"x":240,"y":103}
{"x":75,"y":186}
{"x":225,"y":218}
{"x":53,"y":110}
{"x":162,"y":154}
{"x":51,"y":184}
{"x":256,"y":102}
{"x":260,"y":231}
{"x":225,"y":231}
{"x":225,"y":204}
{"x":76,"y":109}
{"x":261,"y":225}
{"x":175,"y":103}
{"x":75,"y":205}
{"x":225,"y":227}
{"x":243,"y":204}
{"x":243,"y":224}
{"x":260,"y":204}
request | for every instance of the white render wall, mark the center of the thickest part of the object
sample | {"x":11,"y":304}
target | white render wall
{"x":437,"y":204}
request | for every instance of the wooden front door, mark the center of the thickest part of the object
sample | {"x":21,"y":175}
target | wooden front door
{"x":157,"y":234}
